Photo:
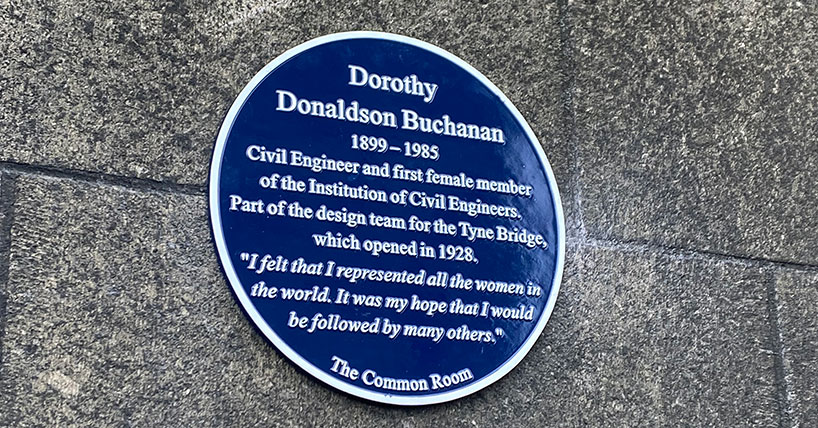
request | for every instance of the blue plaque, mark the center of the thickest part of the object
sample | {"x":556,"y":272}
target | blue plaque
{"x":386,"y":218}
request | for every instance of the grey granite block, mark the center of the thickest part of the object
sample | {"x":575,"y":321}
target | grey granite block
{"x":6,"y":199}
{"x":138,"y":88}
{"x":798,"y":318}
{"x":118,"y":315}
{"x":7,"y":193}
{"x":100,"y":323}
{"x":645,"y":339}
{"x":697,"y":124}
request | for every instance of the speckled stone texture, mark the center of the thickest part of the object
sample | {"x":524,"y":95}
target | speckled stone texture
{"x":697,"y":126}
{"x":117,"y":315}
{"x":665,"y":340}
{"x":682,"y":134}
{"x":139,"y":88}
{"x":6,"y":203}
{"x":798,"y":313}
{"x":7,"y":193}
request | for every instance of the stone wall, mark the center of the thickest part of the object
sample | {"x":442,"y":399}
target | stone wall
{"x":684,"y":137}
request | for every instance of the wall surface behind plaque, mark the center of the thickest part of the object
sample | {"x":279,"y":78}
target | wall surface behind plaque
{"x":683,"y":137}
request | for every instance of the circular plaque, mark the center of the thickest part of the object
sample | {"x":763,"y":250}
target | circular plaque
{"x":386,"y":218}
